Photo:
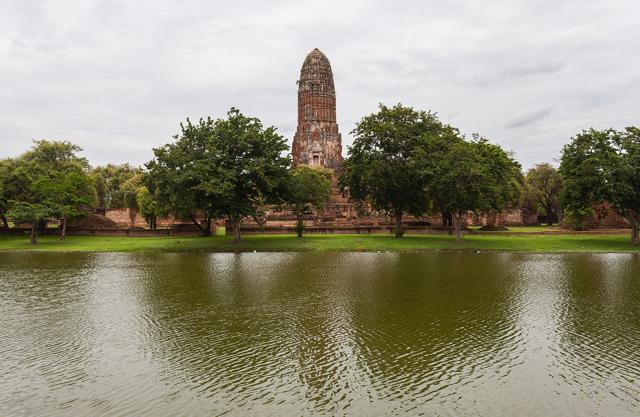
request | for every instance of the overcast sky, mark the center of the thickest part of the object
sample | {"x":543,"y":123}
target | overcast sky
{"x":117,"y":77}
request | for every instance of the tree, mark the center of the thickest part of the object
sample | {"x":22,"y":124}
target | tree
{"x":223,"y":168}
{"x":50,"y":180}
{"x":27,"y":203}
{"x":109,"y":180}
{"x":626,"y":177}
{"x":128,"y":194}
{"x":505,"y":189}
{"x":7,"y":188}
{"x":148,"y":206}
{"x":385,"y":166}
{"x":545,"y":184}
{"x":66,"y":194}
{"x":604,"y":166}
{"x":471,"y":176}
{"x":309,"y":189}
{"x":3,"y":207}
{"x":61,"y":179}
{"x":254,"y":168}
{"x":32,"y":213}
{"x":183,"y":171}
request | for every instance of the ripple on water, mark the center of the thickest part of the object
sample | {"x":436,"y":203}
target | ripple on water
{"x":319,"y":334}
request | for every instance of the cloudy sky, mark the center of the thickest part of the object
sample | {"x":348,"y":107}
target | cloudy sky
{"x":117,"y":77}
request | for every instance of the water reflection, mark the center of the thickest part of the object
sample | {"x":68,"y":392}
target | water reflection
{"x":319,"y":334}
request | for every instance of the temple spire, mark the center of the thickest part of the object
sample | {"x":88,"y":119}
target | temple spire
{"x":317,"y":141}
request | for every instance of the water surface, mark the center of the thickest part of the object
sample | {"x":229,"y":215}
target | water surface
{"x":438,"y":334}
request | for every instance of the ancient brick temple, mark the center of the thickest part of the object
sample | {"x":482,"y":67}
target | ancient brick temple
{"x":317,"y":141}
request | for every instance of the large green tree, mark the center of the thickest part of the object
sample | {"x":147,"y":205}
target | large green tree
{"x":8,"y":188}
{"x":386,"y":163}
{"x":472,"y":176}
{"x":183,"y":171}
{"x":223,"y":168}
{"x":544,"y":184}
{"x":603,"y":166}
{"x":309,"y":190}
{"x":506,"y":182}
{"x":109,"y":181}
{"x":50,"y":180}
{"x":148,"y":206}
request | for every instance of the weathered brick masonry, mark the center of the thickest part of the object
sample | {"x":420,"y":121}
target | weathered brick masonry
{"x":317,"y":141}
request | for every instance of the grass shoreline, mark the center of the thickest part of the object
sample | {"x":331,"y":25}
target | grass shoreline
{"x":557,"y":243}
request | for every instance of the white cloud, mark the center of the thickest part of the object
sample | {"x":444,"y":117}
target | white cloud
{"x":117,"y":77}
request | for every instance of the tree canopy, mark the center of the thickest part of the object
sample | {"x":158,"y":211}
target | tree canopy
{"x":386,"y":163}
{"x":308,"y":190}
{"x":603,"y":166}
{"x":544,"y":184}
{"x":222,"y":168}
{"x":473,"y":176}
{"x":109,"y":181}
{"x":50,"y":180}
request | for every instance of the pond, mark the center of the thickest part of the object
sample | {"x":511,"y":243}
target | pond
{"x":319,"y":333}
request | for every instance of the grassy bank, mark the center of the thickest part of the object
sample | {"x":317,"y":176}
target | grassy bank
{"x":534,"y":243}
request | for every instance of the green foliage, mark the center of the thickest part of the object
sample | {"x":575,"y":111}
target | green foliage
{"x":473,"y":176}
{"x":49,"y":180}
{"x":308,"y":190}
{"x":183,"y":171}
{"x":223,"y":168}
{"x":386,"y":163}
{"x":575,"y":218}
{"x":505,"y":183}
{"x":604,"y":166}
{"x":544,"y":185}
{"x":30,"y":212}
{"x":586,"y":167}
{"x":148,"y":206}
{"x":9,"y":187}
{"x":109,"y":181}
{"x":129,"y":191}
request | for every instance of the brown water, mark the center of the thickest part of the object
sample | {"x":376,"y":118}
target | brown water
{"x":280,"y":334}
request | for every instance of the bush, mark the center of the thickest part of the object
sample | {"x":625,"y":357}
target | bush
{"x":576,"y":219}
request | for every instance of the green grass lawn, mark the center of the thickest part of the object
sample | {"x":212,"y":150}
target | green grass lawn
{"x":533,"y":243}
{"x":527,"y":229}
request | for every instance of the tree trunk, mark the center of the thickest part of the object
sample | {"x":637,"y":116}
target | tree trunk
{"x":635,"y":229}
{"x":300,"y":226}
{"x":5,"y":223}
{"x":236,"y":231}
{"x":64,"y":228}
{"x":549,"y":210}
{"x":457,"y":225}
{"x":203,"y":231}
{"x":398,"y":228}
{"x":42,"y":226}
{"x":132,"y":217}
{"x":33,"y":236}
{"x":559,"y":213}
{"x":446,"y":219}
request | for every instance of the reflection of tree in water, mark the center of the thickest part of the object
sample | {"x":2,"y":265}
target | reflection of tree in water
{"x":433,"y":326}
{"x":598,"y":355}
{"x":326,"y":332}
{"x":222,"y":325}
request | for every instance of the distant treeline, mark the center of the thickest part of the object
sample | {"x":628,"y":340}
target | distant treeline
{"x":402,"y":161}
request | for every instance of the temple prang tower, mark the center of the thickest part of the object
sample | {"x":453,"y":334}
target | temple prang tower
{"x":317,"y":141}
